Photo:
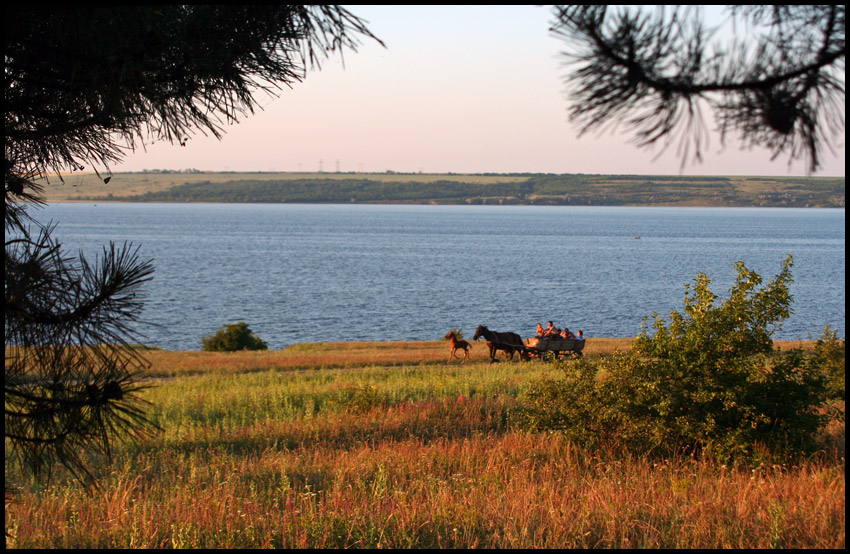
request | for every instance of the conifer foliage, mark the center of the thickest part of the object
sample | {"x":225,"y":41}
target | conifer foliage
{"x":84,"y":85}
{"x":777,"y":83}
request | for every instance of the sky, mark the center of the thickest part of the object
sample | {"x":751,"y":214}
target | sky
{"x":460,"y":89}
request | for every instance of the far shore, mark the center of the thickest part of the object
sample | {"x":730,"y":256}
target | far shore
{"x":532,"y":189}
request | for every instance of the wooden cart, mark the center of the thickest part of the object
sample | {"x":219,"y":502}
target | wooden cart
{"x":539,"y":348}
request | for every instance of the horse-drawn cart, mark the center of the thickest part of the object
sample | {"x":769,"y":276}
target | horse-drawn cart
{"x":532,"y":348}
{"x":539,"y":347}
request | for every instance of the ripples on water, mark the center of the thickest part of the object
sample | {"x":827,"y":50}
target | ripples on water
{"x":299,"y":273}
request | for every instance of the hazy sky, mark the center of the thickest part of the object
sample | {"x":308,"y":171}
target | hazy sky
{"x":464,"y":89}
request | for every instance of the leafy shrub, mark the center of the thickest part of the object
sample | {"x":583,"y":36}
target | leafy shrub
{"x":232,"y":337}
{"x":829,"y":355}
{"x":708,"y":381}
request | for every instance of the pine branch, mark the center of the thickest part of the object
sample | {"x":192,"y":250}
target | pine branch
{"x":654,"y":73}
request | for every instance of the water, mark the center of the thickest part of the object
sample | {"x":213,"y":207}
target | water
{"x":303,"y":273}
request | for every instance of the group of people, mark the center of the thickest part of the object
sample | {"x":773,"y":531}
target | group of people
{"x":552,"y":332}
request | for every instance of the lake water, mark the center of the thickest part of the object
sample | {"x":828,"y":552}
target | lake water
{"x":304,"y":273}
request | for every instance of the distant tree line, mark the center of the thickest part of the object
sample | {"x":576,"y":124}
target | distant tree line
{"x":570,"y":189}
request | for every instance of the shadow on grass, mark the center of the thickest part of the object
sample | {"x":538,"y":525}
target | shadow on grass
{"x":424,"y":421}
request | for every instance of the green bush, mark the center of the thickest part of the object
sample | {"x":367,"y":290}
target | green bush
{"x":232,"y":337}
{"x":829,"y":355}
{"x":708,"y":381}
{"x":458,"y":334}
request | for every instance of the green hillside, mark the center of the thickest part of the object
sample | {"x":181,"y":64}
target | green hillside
{"x":527,"y":189}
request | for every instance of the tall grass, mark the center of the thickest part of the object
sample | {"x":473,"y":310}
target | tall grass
{"x":387,"y":445}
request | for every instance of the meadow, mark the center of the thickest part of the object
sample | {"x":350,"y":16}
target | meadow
{"x":388,"y":445}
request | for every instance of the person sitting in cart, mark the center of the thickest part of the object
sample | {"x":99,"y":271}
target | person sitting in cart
{"x":551,"y":331}
{"x":567,"y":334}
{"x":540,"y":331}
{"x":580,"y":335}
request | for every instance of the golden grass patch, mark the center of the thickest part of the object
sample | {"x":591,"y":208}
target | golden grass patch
{"x":386,"y":445}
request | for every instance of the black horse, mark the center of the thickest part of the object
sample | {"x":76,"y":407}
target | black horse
{"x":508,"y":342}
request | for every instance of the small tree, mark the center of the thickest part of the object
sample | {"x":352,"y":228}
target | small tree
{"x":708,"y":380}
{"x":232,"y":337}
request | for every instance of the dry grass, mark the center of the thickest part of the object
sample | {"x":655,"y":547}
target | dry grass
{"x":387,"y":445}
{"x":491,"y":491}
{"x":326,"y":355}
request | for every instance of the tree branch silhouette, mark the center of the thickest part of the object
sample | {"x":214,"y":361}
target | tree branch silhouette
{"x":83,"y":86}
{"x":780,"y":87}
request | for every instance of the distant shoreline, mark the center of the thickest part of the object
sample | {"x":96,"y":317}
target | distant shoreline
{"x":451,"y":189}
{"x":425,"y":203}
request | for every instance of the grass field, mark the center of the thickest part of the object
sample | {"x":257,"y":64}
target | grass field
{"x":387,"y":444}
